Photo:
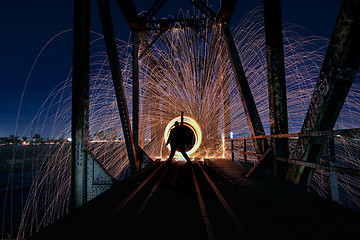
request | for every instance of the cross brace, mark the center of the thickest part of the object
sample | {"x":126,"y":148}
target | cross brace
{"x":336,"y":76}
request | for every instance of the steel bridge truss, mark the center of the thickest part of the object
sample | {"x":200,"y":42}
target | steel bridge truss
{"x":338,"y":71}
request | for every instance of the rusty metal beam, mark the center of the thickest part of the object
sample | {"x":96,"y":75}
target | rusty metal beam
{"x":252,"y":115}
{"x":337,"y":74}
{"x":276,"y":80}
{"x":110,"y":42}
{"x":80,"y":103}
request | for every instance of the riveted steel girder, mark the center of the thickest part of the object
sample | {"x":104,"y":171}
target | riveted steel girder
{"x":276,"y":81}
{"x":80,"y":103}
{"x":337,"y":74}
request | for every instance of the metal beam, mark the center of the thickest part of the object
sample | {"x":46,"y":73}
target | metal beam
{"x":226,"y":11}
{"x":252,"y":115}
{"x":154,"y":9}
{"x":276,"y":80}
{"x":337,"y":73}
{"x":145,"y":51}
{"x":342,"y":132}
{"x":135,"y":91}
{"x":111,"y":47}
{"x":335,"y":169}
{"x":128,"y":9}
{"x":80,"y":102}
{"x":199,"y":4}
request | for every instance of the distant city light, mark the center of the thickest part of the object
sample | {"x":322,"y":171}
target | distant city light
{"x":69,"y":139}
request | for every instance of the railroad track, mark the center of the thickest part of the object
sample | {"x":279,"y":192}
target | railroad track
{"x":174,"y":202}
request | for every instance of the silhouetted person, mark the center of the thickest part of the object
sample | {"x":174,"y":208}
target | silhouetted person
{"x":177,"y":140}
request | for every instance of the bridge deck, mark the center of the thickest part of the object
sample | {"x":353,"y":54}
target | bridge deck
{"x":262,"y":207}
{"x":305,"y":214}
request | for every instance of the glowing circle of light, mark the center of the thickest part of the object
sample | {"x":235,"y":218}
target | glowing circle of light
{"x":193,"y":125}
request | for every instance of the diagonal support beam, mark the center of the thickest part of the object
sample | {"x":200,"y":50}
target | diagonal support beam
{"x":252,"y":115}
{"x":128,"y":9}
{"x":226,"y":11}
{"x":154,"y":9}
{"x":337,"y":74}
{"x":147,"y":49}
{"x":106,"y":21}
{"x":199,"y":4}
{"x":276,"y":81}
{"x":135,"y":90}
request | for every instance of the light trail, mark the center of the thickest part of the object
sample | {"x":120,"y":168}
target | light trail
{"x":193,"y":125}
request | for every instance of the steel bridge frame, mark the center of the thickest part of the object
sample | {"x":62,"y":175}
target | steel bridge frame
{"x":339,"y":69}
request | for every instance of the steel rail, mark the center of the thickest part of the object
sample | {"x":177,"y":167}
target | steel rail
{"x":204,"y":213}
{"x":142,"y":207}
{"x":240,"y":227}
{"x":120,"y":206}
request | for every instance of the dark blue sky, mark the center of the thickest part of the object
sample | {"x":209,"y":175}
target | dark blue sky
{"x":26,"y":26}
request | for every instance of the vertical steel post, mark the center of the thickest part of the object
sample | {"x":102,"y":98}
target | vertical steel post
{"x":333,"y":178}
{"x":111,"y":47}
{"x":80,"y":102}
{"x":276,"y":81}
{"x":135,"y":93}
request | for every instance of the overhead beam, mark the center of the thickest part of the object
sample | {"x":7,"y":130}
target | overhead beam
{"x":276,"y":81}
{"x":336,"y":76}
{"x":252,"y":115}
{"x":80,"y":103}
{"x":154,"y":9}
{"x":226,"y":11}
{"x":111,"y":47}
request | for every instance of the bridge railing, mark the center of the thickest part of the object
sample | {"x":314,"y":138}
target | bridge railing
{"x":247,"y":148}
{"x":340,"y":156}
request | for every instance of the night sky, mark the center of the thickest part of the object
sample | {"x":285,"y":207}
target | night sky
{"x":26,"y":26}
